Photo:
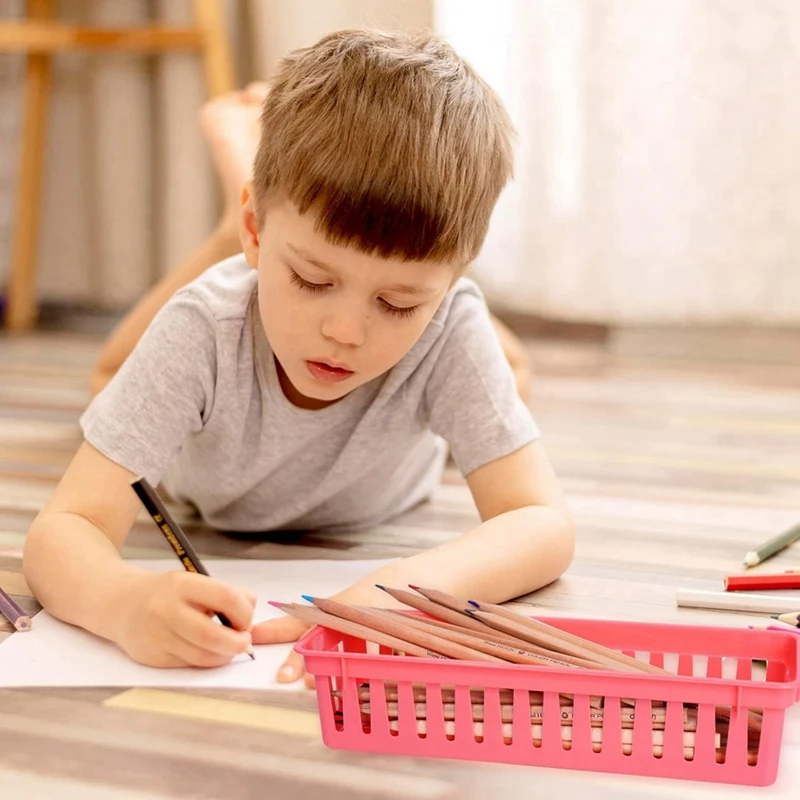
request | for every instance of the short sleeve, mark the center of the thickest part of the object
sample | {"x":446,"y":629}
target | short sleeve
{"x":163,"y":392}
{"x":471,"y":398}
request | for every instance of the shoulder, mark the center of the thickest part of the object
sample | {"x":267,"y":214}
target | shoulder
{"x":465,"y":302}
{"x":224,"y":291}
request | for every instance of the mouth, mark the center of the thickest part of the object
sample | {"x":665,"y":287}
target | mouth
{"x":328,"y":372}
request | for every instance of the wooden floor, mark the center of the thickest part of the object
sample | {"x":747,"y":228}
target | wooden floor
{"x":678,"y":452}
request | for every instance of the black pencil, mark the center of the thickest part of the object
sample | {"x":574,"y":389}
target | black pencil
{"x":175,"y":536}
{"x":13,"y":613}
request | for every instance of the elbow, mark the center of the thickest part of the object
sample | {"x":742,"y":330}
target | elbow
{"x":564,"y":548}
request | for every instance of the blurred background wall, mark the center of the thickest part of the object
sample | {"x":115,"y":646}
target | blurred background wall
{"x":657,"y":175}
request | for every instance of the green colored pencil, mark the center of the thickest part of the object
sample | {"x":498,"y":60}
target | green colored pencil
{"x":774,"y":545}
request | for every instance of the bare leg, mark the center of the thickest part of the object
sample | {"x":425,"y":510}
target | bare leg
{"x":230,"y":125}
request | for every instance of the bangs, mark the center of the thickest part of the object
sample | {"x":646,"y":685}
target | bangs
{"x":378,"y":223}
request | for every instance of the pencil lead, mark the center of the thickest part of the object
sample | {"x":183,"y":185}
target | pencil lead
{"x":307,"y":597}
{"x":411,"y":586}
{"x":474,"y":603}
{"x":382,"y":588}
{"x":276,"y":603}
{"x":774,"y":616}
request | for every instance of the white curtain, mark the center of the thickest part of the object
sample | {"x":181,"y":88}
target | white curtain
{"x":658,"y":157}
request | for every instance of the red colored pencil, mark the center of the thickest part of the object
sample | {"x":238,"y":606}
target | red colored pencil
{"x":754,"y":583}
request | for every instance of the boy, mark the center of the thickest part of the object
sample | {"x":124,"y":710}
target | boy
{"x":318,"y":379}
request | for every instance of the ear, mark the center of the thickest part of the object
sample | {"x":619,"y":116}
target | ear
{"x":248,"y":227}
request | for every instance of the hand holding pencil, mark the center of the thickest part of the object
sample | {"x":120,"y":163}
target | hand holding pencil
{"x":169,"y":616}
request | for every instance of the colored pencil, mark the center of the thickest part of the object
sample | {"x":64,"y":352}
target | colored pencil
{"x":315,"y":616}
{"x":782,"y":629}
{"x":13,"y":613}
{"x":478,"y":642}
{"x":552,"y":634}
{"x":176,"y":538}
{"x":772,"y":546}
{"x":600,"y":656}
{"x":751,"y":583}
{"x":403,"y":631}
{"x":792,"y":618}
{"x":436,"y":609}
{"x":735,"y":601}
{"x":495,"y":636}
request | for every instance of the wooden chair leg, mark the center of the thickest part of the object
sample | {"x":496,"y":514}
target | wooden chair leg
{"x":217,"y":59}
{"x":22,"y":303}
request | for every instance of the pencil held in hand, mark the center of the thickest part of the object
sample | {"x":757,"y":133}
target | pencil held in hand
{"x":176,"y":538}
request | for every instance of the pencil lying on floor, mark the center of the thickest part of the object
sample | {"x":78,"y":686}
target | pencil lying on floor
{"x":176,"y":537}
{"x":13,"y":613}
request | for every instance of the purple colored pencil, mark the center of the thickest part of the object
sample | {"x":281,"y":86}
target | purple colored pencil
{"x":13,"y":613}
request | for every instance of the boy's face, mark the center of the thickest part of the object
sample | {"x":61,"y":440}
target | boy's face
{"x":335,"y":318}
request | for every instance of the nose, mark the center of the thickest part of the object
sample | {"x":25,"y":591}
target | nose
{"x":345,"y":327}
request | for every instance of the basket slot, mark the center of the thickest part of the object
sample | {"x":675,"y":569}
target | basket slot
{"x":744,"y":669}
{"x":612,"y":727}
{"x":329,"y":705}
{"x":642,"y":728}
{"x":704,"y":739}
{"x":685,"y":664}
{"x":521,"y":724}
{"x":674,"y":728}
{"x":736,"y":749}
{"x":714,"y":667}
{"x":434,"y":712}
{"x":581,"y":724}
{"x":776,"y":671}
{"x":551,"y":722}
{"x":493,"y":717}
{"x":464,"y":725}
{"x":407,"y":727}
{"x":378,"y":712}
{"x":351,"y":707}
{"x":657,"y":660}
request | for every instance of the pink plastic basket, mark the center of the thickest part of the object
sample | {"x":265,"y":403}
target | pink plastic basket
{"x":721,"y":674}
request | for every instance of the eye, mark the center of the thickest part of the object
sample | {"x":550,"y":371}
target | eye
{"x":388,"y":308}
{"x":304,"y":284}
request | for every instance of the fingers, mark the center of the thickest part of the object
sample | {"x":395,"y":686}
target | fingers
{"x":207,"y":635}
{"x":292,"y":669}
{"x":187,"y":654}
{"x":207,"y":594}
{"x":275,"y":631}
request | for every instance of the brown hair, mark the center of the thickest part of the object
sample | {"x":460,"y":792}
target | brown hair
{"x":391,"y":140}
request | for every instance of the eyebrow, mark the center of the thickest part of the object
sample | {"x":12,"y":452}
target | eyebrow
{"x":402,"y":288}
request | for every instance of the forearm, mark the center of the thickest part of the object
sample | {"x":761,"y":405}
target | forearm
{"x":509,"y":555}
{"x":76,"y":573}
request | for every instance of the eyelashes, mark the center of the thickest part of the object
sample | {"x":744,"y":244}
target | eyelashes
{"x":387,"y":308}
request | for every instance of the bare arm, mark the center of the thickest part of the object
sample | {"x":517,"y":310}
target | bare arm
{"x":72,"y":563}
{"x":524,"y":541}
{"x":220,"y":245}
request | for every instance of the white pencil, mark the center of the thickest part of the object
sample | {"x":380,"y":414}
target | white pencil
{"x":736,"y":601}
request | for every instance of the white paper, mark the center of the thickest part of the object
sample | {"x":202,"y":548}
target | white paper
{"x":53,"y":653}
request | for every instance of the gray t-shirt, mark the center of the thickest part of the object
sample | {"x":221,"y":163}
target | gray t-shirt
{"x":198,"y":407}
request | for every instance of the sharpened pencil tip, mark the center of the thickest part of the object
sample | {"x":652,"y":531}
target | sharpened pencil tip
{"x":474,"y":603}
{"x":774,"y":616}
{"x":382,"y":588}
{"x":411,"y":586}
{"x":251,"y":654}
{"x":275,"y":603}
{"x":307,"y":597}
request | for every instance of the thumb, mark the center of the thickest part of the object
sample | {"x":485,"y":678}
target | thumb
{"x":275,"y":631}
